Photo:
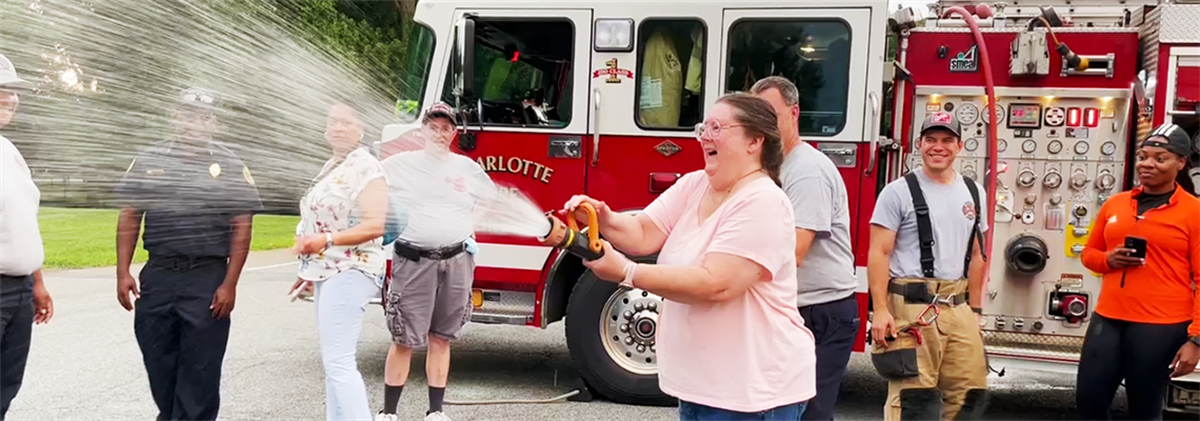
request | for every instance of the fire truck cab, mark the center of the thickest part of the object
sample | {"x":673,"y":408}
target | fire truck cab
{"x":566,"y":97}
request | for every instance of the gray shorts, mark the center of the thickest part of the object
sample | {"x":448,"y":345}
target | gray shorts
{"x":429,"y":297}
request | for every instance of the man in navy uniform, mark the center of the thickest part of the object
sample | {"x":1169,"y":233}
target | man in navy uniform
{"x":197,"y":199}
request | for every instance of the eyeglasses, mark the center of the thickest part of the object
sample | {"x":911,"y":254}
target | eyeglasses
{"x":194,"y":96}
{"x":440,"y":129}
{"x":711,"y":128}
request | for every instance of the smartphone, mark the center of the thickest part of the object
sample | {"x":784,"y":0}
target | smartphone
{"x":1138,"y":245}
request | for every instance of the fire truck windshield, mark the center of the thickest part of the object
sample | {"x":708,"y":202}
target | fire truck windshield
{"x":522,"y":73}
{"x":814,"y":54}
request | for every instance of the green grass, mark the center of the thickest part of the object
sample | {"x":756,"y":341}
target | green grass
{"x":85,"y":238}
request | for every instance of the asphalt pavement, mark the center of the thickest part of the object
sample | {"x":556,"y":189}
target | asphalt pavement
{"x":85,"y":364}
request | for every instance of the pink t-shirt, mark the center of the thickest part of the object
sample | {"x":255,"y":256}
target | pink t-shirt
{"x":751,"y":353}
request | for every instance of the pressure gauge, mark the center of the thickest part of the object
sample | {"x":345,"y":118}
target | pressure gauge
{"x":1001,"y":145}
{"x":972,"y":144}
{"x":1108,"y":148}
{"x":1081,"y":147}
{"x":986,"y":115}
{"x":1029,"y":145}
{"x":967,"y":113}
{"x":1052,"y":180}
{"x":1054,"y":147}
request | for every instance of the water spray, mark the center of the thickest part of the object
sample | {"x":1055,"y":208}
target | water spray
{"x":569,"y":238}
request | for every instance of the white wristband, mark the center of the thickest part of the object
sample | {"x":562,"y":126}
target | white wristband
{"x":630,"y":269}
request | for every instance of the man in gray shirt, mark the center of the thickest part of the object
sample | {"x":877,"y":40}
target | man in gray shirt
{"x":825,"y":262}
{"x":935,"y":367}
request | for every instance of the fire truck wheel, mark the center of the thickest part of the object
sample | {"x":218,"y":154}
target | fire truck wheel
{"x":610,"y":334}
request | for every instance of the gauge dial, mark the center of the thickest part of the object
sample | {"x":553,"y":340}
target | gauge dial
{"x":967,"y":113}
{"x":999,"y":114}
{"x":1081,"y":147}
{"x":1029,"y":145}
{"x":972,"y":144}
{"x":1001,"y":145}
{"x":1108,"y":148}
{"x":1054,"y":147}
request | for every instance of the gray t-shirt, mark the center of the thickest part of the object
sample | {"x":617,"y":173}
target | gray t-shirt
{"x":952,"y":216}
{"x":819,"y":201}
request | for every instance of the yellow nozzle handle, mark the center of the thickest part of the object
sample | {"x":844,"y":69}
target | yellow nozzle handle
{"x":593,"y":227}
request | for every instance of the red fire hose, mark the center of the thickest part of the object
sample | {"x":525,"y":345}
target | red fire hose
{"x":990,"y":185}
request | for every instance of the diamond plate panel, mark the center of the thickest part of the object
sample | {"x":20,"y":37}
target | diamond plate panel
{"x":1179,"y":23}
{"x":1042,"y":346}
{"x":505,"y":307}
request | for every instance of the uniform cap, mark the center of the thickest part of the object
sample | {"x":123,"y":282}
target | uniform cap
{"x":8,"y":76}
{"x":203,"y":99}
{"x":941,"y":120}
{"x":442,"y":110}
{"x":1176,"y":139}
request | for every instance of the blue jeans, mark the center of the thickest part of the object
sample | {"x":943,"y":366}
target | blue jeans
{"x":689,"y":411}
{"x":341,"y":301}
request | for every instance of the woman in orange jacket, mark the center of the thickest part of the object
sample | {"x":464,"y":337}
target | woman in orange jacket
{"x":1148,"y":313}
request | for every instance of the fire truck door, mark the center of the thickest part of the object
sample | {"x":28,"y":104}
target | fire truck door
{"x":526,"y":119}
{"x":828,"y":54}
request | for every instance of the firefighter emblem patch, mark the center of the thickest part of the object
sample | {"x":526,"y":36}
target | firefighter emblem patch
{"x":969,"y":211}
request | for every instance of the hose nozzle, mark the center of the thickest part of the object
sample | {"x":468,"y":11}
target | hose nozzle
{"x":567,"y":236}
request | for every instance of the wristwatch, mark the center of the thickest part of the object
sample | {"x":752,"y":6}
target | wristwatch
{"x":1195,"y":340}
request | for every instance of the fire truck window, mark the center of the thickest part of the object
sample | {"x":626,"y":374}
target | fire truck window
{"x":813,"y":54}
{"x":670,"y":74}
{"x":523,"y":72}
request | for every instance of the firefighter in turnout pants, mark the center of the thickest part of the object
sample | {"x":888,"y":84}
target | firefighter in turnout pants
{"x":926,"y":283}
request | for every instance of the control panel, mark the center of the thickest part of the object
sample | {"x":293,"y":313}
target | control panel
{"x":1058,"y":159}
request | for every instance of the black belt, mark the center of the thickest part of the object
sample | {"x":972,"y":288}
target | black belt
{"x":181,"y":263}
{"x":918,"y":293}
{"x":414,"y":253}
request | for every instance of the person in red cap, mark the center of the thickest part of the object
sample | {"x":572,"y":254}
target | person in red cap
{"x":429,"y":296}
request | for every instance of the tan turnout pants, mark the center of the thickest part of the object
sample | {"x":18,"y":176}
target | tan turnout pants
{"x":944,"y":376}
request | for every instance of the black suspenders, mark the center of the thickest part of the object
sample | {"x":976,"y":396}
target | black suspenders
{"x":925,"y":228}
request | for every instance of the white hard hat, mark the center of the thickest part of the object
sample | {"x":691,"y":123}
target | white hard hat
{"x":8,"y":76}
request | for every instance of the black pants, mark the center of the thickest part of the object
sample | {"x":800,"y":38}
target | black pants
{"x":16,"y":328}
{"x":834,"y":325}
{"x":182,"y":345}
{"x":1137,"y":353}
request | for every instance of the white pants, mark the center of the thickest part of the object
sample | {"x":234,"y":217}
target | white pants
{"x":341,"y":301}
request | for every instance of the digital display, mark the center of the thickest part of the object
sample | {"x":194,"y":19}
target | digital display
{"x":1028,"y":116}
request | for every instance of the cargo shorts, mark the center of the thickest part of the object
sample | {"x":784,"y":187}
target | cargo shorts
{"x":429,"y":297}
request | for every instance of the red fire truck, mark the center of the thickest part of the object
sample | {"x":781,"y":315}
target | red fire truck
{"x":600,"y":97}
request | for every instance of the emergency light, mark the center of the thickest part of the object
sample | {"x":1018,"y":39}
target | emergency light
{"x":613,"y":35}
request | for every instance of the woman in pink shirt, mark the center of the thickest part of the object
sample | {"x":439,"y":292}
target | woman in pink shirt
{"x":730,"y":342}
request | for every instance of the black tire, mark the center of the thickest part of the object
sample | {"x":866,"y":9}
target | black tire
{"x":584,"y":341}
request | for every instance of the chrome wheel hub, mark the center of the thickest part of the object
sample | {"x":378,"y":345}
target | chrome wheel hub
{"x":628,"y":323}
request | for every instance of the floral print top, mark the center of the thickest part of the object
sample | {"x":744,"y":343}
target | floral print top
{"x":331,"y":205}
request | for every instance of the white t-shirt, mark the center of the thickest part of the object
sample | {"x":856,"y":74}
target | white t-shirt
{"x":21,"y":250}
{"x":440,"y":194}
{"x":331,"y":206}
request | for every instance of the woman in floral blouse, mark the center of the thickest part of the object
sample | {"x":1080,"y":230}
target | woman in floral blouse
{"x":341,"y":252}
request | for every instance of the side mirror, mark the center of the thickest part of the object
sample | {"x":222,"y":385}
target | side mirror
{"x":464,"y":60}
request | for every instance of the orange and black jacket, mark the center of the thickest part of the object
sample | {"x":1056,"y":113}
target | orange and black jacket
{"x":1166,"y":290}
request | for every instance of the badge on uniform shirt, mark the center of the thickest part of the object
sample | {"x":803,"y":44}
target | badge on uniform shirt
{"x":214,"y":170}
{"x":246,"y":174}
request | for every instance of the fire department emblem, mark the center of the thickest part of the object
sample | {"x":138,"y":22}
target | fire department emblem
{"x":969,"y":211}
{"x":667,"y":148}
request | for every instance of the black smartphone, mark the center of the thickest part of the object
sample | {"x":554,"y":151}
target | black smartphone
{"x":1138,"y":245}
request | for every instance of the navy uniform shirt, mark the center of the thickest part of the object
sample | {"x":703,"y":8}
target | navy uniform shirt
{"x":190,"y":197}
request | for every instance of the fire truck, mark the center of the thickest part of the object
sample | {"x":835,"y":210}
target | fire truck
{"x":601,"y":97}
